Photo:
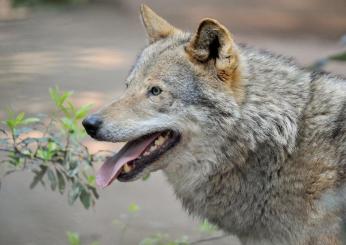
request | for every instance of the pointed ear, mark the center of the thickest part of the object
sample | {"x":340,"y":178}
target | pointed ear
{"x":156,"y":27}
{"x":213,"y":42}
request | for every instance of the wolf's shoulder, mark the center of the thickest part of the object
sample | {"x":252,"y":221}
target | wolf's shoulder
{"x":262,"y":62}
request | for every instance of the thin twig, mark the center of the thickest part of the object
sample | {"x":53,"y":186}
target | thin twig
{"x":3,"y":131}
{"x":39,"y":144}
{"x":15,"y":148}
{"x":209,"y":239}
{"x":6,"y":150}
{"x":25,"y":141}
{"x":67,"y":146}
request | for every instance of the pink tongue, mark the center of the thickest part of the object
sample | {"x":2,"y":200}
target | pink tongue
{"x":112,"y":167}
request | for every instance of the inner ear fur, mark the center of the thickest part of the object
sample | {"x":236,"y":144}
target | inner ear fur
{"x":156,"y":27}
{"x":213,"y":42}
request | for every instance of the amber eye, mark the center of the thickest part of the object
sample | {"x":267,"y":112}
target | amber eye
{"x":155,"y":90}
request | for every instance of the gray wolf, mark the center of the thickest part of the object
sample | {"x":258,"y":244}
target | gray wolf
{"x":248,"y":139}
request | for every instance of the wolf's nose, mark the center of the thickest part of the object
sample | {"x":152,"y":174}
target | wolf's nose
{"x":92,"y":124}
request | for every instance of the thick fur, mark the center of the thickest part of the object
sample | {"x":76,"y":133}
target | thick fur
{"x":266,"y":163}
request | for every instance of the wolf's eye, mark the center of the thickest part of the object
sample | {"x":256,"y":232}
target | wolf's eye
{"x":155,"y":90}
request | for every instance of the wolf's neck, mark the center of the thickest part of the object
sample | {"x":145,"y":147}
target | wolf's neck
{"x":242,"y":198}
{"x":235,"y":184}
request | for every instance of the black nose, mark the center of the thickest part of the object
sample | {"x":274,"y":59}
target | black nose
{"x":92,"y":124}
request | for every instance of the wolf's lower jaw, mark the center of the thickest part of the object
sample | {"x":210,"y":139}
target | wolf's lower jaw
{"x":163,"y":142}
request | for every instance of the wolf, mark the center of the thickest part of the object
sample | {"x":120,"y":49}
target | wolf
{"x":248,"y":139}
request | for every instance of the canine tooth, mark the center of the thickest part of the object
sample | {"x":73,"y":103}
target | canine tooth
{"x":127,"y":168}
{"x":153,"y":148}
{"x":146,"y":153}
{"x":159,"y":141}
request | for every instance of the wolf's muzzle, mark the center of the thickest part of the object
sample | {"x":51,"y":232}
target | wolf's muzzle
{"x":92,"y":124}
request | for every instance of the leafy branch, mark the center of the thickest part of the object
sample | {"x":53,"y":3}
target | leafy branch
{"x":51,"y":149}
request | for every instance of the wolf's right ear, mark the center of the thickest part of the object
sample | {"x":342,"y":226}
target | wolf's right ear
{"x":156,"y":27}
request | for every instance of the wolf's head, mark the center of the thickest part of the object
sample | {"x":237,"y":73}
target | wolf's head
{"x":182,"y":93}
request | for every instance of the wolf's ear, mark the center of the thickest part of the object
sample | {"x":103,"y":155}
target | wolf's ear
{"x":156,"y":27}
{"x":214,"y":42}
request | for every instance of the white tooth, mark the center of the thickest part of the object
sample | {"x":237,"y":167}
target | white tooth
{"x":146,"y":153}
{"x":127,"y":168}
{"x":160,"y":141}
{"x":153,"y":148}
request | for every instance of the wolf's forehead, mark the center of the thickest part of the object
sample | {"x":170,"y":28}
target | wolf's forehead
{"x":149,"y":55}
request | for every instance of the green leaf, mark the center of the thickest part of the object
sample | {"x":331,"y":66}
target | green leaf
{"x":20,"y":118}
{"x":52,"y":179}
{"x":73,"y":169}
{"x":69,"y":125}
{"x":94,"y":191}
{"x":59,"y":97}
{"x":72,"y":108}
{"x":65,"y":96}
{"x":30,"y":120}
{"x":61,"y":182}
{"x":11,"y":123}
{"x":38,"y":177}
{"x":83,"y":111}
{"x":53,"y":92}
{"x":45,"y":154}
{"x":85,"y":198}
{"x":15,"y":159}
{"x":146,"y":177}
{"x":74,"y":193}
{"x":73,"y":238}
{"x":40,"y":153}
{"x":133,"y":208}
{"x":206,"y":227}
{"x":52,"y":146}
{"x":91,"y":180}
{"x":339,"y":57}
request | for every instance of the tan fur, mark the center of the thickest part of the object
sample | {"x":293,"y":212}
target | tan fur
{"x":325,"y":240}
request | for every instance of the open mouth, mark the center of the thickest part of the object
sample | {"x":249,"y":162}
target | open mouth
{"x":135,"y":156}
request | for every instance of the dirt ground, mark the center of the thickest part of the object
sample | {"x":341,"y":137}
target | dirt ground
{"x":89,"y":49}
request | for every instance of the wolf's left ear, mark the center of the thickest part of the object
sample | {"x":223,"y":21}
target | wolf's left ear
{"x":214,"y":42}
{"x":156,"y":27}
